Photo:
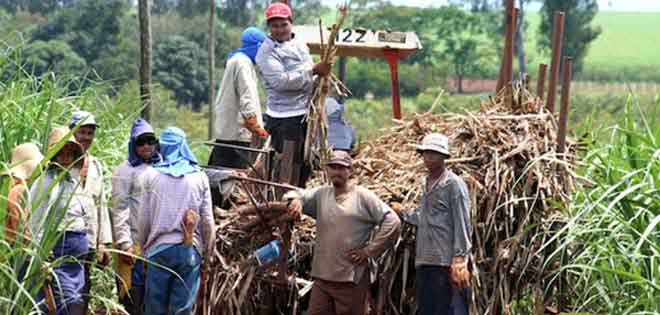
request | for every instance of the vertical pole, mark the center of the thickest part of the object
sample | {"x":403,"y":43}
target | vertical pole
{"x":557,"y":35}
{"x":507,"y":54}
{"x":540,"y":86}
{"x":211,"y":48}
{"x":392,"y":56}
{"x":144,"y":13}
{"x":563,"y":111}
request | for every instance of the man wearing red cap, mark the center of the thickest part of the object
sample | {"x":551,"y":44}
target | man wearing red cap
{"x":288,"y":72}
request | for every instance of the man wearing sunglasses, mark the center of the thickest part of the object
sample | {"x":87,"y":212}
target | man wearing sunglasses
{"x":127,"y":189}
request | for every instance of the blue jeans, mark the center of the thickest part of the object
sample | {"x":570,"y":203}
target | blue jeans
{"x":172,"y":293}
{"x":69,"y":279}
{"x":435,"y":295}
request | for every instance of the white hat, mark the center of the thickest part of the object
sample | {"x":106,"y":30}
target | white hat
{"x":82,"y":118}
{"x":435,"y":142}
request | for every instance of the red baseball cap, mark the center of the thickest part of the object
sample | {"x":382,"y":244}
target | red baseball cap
{"x":278,"y":10}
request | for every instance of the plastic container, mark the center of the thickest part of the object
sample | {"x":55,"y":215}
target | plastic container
{"x":268,"y":252}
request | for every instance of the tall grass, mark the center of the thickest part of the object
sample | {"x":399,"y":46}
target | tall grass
{"x":613,"y":237}
{"x":29,"y":108}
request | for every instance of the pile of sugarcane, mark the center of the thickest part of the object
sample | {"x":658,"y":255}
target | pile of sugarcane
{"x":505,"y":152}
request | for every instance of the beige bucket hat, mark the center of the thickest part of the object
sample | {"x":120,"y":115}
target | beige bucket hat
{"x":57,"y":134}
{"x":24,"y":160}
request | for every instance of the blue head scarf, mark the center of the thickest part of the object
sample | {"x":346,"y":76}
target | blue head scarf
{"x":251,"y":38}
{"x":178,"y":160}
{"x":140,"y":127}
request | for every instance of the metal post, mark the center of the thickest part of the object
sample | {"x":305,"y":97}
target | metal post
{"x":563,"y":111}
{"x":540,"y":86}
{"x":392,"y":57}
{"x":557,"y":35}
{"x":211,"y":48}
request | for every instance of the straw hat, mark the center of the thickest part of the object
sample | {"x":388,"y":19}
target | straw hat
{"x":57,"y":134}
{"x":24,"y":160}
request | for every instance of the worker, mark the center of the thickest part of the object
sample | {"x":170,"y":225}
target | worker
{"x":175,"y":227}
{"x":237,"y":106}
{"x":126,"y":193}
{"x":346,"y":215}
{"x":25,"y":158}
{"x":443,"y":234}
{"x":341,"y":135}
{"x":62,"y":207}
{"x":93,"y":193}
{"x":288,"y":72}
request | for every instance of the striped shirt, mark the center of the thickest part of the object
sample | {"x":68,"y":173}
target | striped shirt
{"x":164,"y":203}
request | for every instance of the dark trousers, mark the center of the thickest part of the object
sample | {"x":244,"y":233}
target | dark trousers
{"x":435,"y":294}
{"x":230,"y":157}
{"x":90,"y":261}
{"x":339,"y":298}
{"x":68,"y":285}
{"x":291,"y":129}
{"x":133,"y":302}
{"x":227,"y":157}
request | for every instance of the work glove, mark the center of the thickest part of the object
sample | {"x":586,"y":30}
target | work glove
{"x":252,"y":124}
{"x":322,"y":68}
{"x":459,"y":274}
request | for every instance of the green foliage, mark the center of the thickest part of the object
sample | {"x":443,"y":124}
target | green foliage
{"x":35,"y":6}
{"x":181,"y":66}
{"x":578,"y":31}
{"x":464,"y":41}
{"x":100,"y":32}
{"x":173,"y":23}
{"x":52,"y":56}
{"x":613,"y":237}
{"x":29,"y":107}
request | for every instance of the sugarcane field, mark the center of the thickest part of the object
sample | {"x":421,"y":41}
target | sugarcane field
{"x":365,"y":157}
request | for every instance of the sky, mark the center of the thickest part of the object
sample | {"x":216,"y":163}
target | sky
{"x":605,"y":5}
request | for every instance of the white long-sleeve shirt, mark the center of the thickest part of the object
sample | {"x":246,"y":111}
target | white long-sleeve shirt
{"x":237,"y":99}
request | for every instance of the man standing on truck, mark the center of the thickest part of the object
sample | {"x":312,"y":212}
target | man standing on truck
{"x":288,"y":71}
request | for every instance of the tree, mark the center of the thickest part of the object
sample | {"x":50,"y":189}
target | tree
{"x":464,"y":42}
{"x":181,"y":66}
{"x":52,"y":56}
{"x":578,"y":31}
{"x":34,"y":6}
{"x":145,"y":57}
{"x":97,"y":31}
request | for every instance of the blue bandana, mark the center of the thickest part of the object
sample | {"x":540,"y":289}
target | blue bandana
{"x":178,"y":159}
{"x":251,"y":38}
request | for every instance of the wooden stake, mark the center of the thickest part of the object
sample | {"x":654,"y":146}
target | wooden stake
{"x":507,"y":54}
{"x":563,"y":111}
{"x":557,"y":37}
{"x":144,"y":12}
{"x":211,"y":48}
{"x":540,"y":86}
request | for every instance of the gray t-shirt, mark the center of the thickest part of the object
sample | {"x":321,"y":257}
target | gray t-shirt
{"x":347,"y":226}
